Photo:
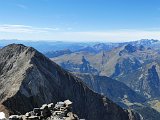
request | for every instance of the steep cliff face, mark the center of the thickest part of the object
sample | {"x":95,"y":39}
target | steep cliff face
{"x":113,"y":89}
{"x":28,"y":79}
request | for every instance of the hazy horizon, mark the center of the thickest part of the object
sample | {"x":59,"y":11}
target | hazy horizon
{"x":71,"y":41}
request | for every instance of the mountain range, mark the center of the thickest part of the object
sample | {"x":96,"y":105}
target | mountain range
{"x":28,"y":79}
{"x":121,"y":63}
{"x":45,"y":46}
{"x":92,"y":75}
{"x":135,"y":64}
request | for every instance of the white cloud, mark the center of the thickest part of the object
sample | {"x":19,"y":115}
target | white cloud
{"x":24,"y":32}
{"x":24,"y":29}
{"x":111,"y":36}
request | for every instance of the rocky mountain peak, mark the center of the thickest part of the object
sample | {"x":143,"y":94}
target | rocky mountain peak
{"x":130,"y":48}
{"x":15,"y":49}
{"x":147,"y":41}
{"x":15,"y":46}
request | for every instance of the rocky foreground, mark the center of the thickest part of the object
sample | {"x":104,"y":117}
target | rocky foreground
{"x":61,"y":111}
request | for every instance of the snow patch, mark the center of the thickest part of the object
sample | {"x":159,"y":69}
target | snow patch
{"x":141,"y":76}
{"x":146,"y":94}
{"x":2,"y":115}
{"x":141,"y":118}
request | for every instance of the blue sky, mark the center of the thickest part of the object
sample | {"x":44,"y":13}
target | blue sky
{"x":80,"y":20}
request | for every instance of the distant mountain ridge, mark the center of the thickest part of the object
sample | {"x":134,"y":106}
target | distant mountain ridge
{"x":45,"y":46}
{"x":52,"y":54}
{"x":137,"y":66}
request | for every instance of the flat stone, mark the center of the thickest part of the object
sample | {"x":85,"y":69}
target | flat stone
{"x":67,"y":102}
{"x":33,"y":118}
{"x":51,"y":106}
{"x":59,"y":104}
{"x":15,"y":117}
{"x":45,"y":106}
{"x":28,"y":114}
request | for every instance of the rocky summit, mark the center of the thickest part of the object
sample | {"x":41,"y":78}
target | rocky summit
{"x":61,"y":111}
{"x":28,"y":80}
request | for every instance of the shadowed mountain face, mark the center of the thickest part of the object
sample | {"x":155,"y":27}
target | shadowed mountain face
{"x":28,"y":79}
{"x":148,"y":113}
{"x":113,"y":89}
{"x":137,"y":66}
